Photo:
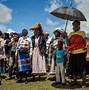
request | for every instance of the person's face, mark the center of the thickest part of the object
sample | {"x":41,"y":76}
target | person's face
{"x":24,"y":33}
{"x":56,"y":33}
{"x":11,"y":35}
{"x":76,"y":26}
{"x":4,"y":36}
{"x":46,"y":35}
{"x":63,"y":35}
{"x":60,"y":45}
{"x":37,"y":32}
{"x":15,"y":37}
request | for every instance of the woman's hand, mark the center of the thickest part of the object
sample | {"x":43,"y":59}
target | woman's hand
{"x":65,"y":34}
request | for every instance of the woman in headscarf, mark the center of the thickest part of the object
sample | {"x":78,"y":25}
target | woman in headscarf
{"x":24,"y":52}
{"x":2,"y":56}
{"x":39,"y":50}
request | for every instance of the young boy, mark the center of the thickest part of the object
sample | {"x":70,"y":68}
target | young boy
{"x":59,"y":55}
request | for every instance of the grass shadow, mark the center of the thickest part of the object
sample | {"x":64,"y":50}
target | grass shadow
{"x":65,"y":87}
{"x":52,"y":78}
{"x":37,"y":79}
{"x":3,"y":76}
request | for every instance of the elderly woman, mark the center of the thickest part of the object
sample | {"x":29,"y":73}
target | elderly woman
{"x":77,"y":46}
{"x":24,"y":55}
{"x":39,"y":50}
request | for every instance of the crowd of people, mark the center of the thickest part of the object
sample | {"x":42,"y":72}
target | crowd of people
{"x":38,"y":55}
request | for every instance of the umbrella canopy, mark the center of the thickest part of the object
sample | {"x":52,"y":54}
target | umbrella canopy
{"x":68,"y":13}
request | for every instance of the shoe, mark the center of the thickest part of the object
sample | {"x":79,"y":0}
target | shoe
{"x":63,"y":84}
{"x":26,"y":82}
{"x":73,"y":84}
{"x":18,"y":81}
{"x":52,"y":73}
{"x":15,"y":78}
{"x":57,"y":83}
{"x":33,"y":79}
{"x":67,"y":83}
{"x":9,"y":78}
{"x":83,"y":86}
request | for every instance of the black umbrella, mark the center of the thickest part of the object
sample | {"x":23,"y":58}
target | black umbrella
{"x":68,"y":13}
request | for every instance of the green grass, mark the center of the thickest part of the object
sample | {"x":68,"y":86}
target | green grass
{"x":43,"y":84}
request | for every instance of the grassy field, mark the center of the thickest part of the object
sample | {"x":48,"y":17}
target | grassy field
{"x":45,"y":83}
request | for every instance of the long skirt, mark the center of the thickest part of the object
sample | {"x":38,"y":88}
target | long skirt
{"x":38,"y":63}
{"x":22,"y":63}
{"x":77,"y":64}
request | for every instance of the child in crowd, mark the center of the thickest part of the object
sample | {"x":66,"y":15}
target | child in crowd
{"x":59,"y":55}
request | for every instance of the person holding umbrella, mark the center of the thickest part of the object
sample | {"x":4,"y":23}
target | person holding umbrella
{"x":77,"y":46}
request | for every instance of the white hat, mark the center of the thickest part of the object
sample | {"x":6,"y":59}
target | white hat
{"x":58,"y":29}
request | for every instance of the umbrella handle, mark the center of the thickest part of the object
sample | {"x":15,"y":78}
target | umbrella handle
{"x":66,"y":24}
{"x":67,"y":18}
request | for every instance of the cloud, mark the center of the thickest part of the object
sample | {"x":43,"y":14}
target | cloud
{"x":3,"y":28}
{"x":9,"y":30}
{"x":53,"y":4}
{"x":6,"y":13}
{"x":50,"y":22}
{"x":83,"y":7}
{"x":5,"y":16}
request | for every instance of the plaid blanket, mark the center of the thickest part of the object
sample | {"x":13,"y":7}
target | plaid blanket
{"x":24,"y":49}
{"x":22,"y":61}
